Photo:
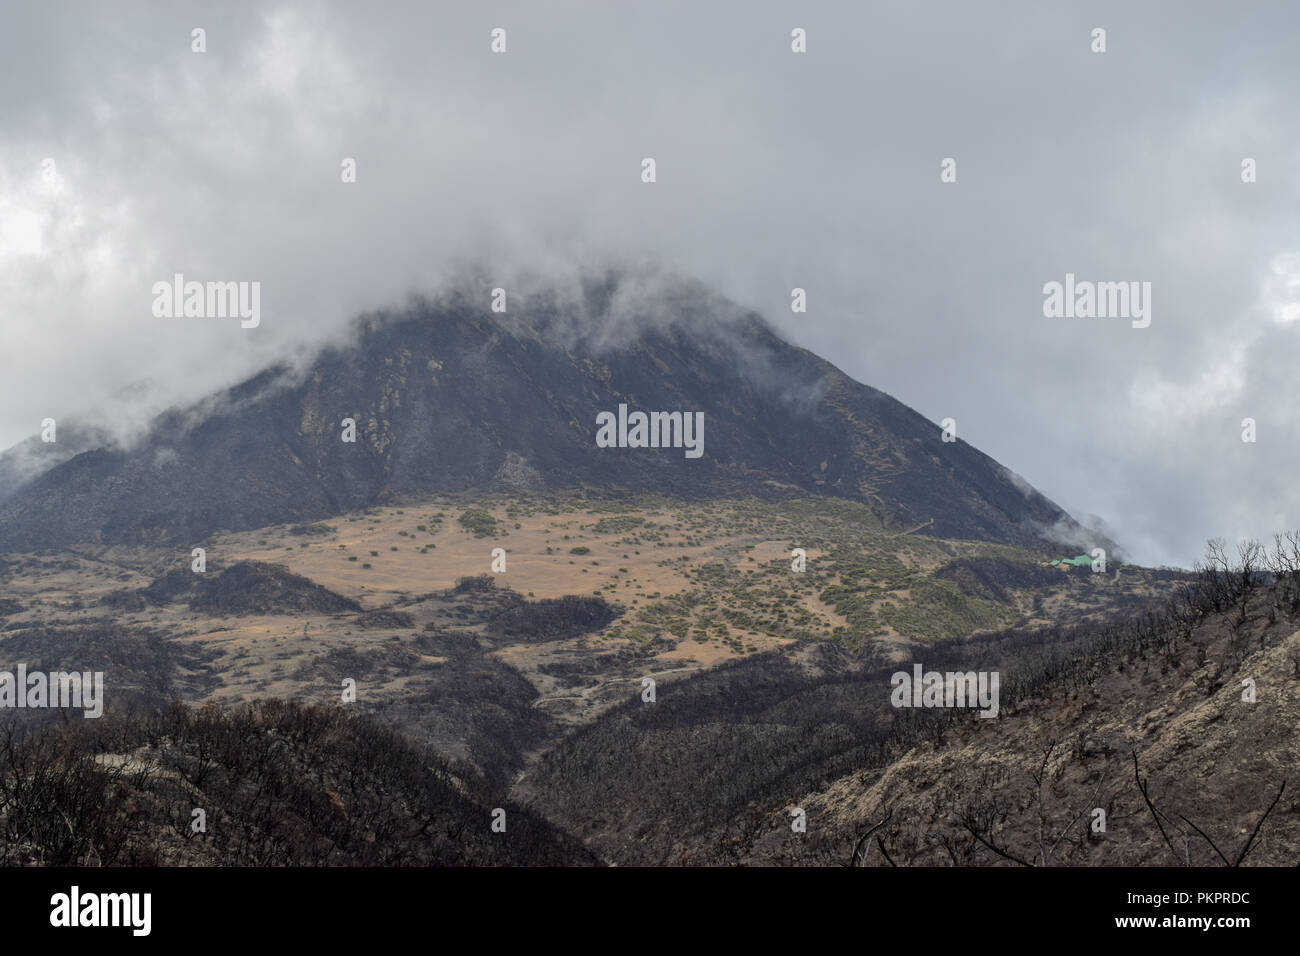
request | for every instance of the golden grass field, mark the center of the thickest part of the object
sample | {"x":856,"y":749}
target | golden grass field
{"x":638,"y":556}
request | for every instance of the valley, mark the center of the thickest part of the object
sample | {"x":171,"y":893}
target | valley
{"x":496,"y":670}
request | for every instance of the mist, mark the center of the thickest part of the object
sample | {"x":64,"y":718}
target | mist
{"x":125,"y":158}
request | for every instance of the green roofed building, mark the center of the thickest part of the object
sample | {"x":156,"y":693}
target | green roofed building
{"x":1080,"y":561}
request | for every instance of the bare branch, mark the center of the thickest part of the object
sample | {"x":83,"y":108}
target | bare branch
{"x":998,"y":850}
{"x":853,"y":860}
{"x":881,"y":843}
{"x":1155,"y":814}
{"x":1206,"y":836}
{"x":1246,"y":849}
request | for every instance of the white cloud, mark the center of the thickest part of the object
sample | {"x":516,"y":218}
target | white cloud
{"x":776,"y":169}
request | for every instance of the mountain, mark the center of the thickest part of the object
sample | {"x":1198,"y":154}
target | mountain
{"x":448,"y":396}
{"x":32,"y":456}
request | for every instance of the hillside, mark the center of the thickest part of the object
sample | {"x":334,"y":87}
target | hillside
{"x":451,"y":397}
{"x":271,"y":784}
{"x":707,"y":773}
{"x":514,"y":616}
{"x":1086,"y":712}
{"x":492,"y":667}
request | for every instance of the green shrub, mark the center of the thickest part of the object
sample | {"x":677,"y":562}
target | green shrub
{"x":480,"y":522}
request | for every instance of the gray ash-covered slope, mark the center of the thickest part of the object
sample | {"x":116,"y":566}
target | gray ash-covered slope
{"x":450,"y":397}
{"x":29,"y":458}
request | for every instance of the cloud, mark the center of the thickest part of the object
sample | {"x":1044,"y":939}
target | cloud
{"x":775,"y":170}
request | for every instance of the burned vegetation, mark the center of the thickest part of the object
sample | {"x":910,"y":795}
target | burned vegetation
{"x":273,"y":783}
{"x":246,"y":587}
{"x":1201,"y":693}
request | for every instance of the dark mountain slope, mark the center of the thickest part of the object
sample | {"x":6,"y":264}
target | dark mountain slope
{"x":819,"y":731}
{"x":449,"y":397}
{"x":30,"y":457}
{"x":281,"y":784}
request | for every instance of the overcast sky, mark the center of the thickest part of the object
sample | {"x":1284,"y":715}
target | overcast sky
{"x":775,"y":170}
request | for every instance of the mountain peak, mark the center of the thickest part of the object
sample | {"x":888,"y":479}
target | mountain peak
{"x":450,"y":396}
